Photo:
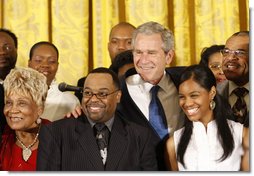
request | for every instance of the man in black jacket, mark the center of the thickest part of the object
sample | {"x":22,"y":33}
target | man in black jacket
{"x":153,"y":49}
{"x":8,"y":58}
{"x":75,"y":144}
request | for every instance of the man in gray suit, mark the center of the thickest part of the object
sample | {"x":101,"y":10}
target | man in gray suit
{"x":236,"y":69}
{"x":73,"y":144}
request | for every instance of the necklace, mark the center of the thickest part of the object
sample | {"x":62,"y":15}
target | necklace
{"x":27,"y":152}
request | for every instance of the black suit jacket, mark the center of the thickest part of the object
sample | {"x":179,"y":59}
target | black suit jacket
{"x":70,"y":145}
{"x":131,"y":112}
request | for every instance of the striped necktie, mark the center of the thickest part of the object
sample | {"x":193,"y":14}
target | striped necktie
{"x":240,"y":107}
{"x":102,"y":138}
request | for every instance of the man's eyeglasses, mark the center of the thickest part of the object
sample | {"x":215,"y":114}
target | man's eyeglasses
{"x":7,"y":48}
{"x":237,"y":53}
{"x":99,"y":95}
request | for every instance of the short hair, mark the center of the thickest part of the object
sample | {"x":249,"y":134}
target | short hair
{"x":12,"y":35}
{"x":150,"y":28}
{"x":28,"y":82}
{"x":241,"y":33}
{"x":123,"y":58}
{"x":121,"y":24}
{"x":110,"y":72}
{"x":207,"y":52}
{"x":36,"y":45}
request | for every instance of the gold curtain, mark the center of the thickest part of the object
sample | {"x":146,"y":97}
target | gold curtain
{"x":80,"y":28}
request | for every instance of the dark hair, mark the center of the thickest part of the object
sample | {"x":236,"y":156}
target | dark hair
{"x":123,"y":58}
{"x":205,"y":78}
{"x":36,"y":45}
{"x":108,"y":71}
{"x":12,"y":35}
{"x":207,"y":52}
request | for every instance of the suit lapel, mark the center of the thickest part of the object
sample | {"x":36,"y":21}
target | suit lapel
{"x":88,"y":143}
{"x":117,"y":145}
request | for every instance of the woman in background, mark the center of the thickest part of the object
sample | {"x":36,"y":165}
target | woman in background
{"x":212,"y":58}
{"x":25,"y":91}
{"x":208,"y":141}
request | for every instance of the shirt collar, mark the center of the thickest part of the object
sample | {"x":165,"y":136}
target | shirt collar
{"x":108,"y":123}
{"x":232,"y":86}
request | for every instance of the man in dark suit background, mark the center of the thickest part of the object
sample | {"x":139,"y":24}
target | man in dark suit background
{"x":153,"y":49}
{"x":70,"y":144}
{"x":8,"y":59}
{"x":235,"y":66}
{"x":119,"y":41}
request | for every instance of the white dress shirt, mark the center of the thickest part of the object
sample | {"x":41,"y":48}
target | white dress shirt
{"x":58,"y":103}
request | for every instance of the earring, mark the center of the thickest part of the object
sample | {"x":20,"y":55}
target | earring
{"x":38,"y":121}
{"x":212,"y":104}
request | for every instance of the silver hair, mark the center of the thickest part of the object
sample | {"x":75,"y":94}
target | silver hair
{"x":150,"y":28}
{"x":27,"y":82}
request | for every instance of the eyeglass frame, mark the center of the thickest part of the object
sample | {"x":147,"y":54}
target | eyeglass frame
{"x":216,"y":66}
{"x":237,"y":53}
{"x":7,"y":48}
{"x":96,"y":94}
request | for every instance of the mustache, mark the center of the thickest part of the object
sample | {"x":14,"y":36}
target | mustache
{"x":99,"y":105}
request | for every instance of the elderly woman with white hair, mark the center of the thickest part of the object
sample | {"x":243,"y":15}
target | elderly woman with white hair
{"x":25,"y":91}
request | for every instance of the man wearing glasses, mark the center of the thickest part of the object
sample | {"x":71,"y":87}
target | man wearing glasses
{"x":235,"y":66}
{"x":8,"y":59}
{"x":99,"y":139}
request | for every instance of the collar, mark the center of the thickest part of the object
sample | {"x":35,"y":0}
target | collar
{"x":108,"y":123}
{"x":232,"y":86}
{"x":146,"y":86}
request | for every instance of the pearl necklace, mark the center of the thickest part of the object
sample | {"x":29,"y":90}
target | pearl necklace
{"x":27,"y":152}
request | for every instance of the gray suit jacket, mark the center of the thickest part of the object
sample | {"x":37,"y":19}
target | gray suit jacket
{"x":70,"y":145}
{"x":223,"y":90}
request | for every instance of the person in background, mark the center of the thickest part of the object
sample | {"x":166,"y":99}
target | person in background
{"x":212,"y":58}
{"x":99,"y":139}
{"x":122,"y":63}
{"x":25,"y":92}
{"x":119,"y":41}
{"x":43,"y":57}
{"x":153,"y":49}
{"x":8,"y":59}
{"x":208,"y":141}
{"x":235,"y":66}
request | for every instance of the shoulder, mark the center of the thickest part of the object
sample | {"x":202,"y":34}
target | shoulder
{"x":68,"y":97}
{"x":175,"y":73}
{"x":62,"y":124}
{"x":175,"y":70}
{"x":222,"y":88}
{"x":134,"y":128}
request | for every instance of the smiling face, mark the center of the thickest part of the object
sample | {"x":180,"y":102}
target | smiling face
{"x":150,"y":59}
{"x":8,"y":54}
{"x":120,"y":40}
{"x":21,"y":111}
{"x":194,"y":100}
{"x":100,"y":110}
{"x":215,"y":64}
{"x":45,"y":60}
{"x":236,"y":68}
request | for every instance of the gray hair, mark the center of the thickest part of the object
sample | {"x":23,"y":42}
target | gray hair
{"x":28,"y":82}
{"x":150,"y":28}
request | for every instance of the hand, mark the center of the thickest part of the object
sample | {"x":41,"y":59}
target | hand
{"x":75,"y":113}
